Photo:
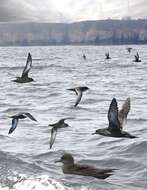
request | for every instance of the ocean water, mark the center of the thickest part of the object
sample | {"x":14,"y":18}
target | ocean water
{"x":26,"y":162}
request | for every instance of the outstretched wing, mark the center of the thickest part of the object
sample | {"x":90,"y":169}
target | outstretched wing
{"x":13,"y":126}
{"x":113,"y":116}
{"x":137,"y":55}
{"x":30,"y":116}
{"x":53,"y":136}
{"x":79,"y":94}
{"x":122,"y":114}
{"x":27,"y":66}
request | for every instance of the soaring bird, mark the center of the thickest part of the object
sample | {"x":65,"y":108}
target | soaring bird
{"x":79,"y":92}
{"x":24,"y":77}
{"x":116,"y":120}
{"x":55,"y":127}
{"x":69,"y":167}
{"x":15,"y":119}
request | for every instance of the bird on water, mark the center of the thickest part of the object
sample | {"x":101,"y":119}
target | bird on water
{"x":69,"y":167}
{"x":24,"y":77}
{"x":116,"y":121}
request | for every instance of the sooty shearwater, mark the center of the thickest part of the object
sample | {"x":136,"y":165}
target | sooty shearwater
{"x":116,"y":120}
{"x":69,"y":167}
{"x":24,"y":77}
{"x":79,"y":92}
{"x":84,"y":56}
{"x":137,"y":58}
{"x":129,"y":49}
{"x":107,"y":55}
{"x":55,"y":127}
{"x":15,"y":119}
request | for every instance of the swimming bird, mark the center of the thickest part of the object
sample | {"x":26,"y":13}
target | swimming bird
{"x":137,"y":58}
{"x":24,"y":77}
{"x":69,"y":167}
{"x":116,"y":120}
{"x":84,"y":56}
{"x":129,"y":49}
{"x":15,"y":119}
{"x":55,"y":127}
{"x":79,"y":92}
{"x":107,"y":55}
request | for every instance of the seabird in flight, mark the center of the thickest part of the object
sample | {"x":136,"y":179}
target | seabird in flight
{"x":24,"y":77}
{"x":116,"y":120}
{"x":79,"y":92}
{"x":15,"y":119}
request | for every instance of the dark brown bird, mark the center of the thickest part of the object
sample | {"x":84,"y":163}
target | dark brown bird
{"x":129,"y":49}
{"x":107,"y":55}
{"x":79,"y":92}
{"x":137,"y":58}
{"x":60,"y":124}
{"x":69,"y":167}
{"x":24,"y":77}
{"x":116,"y":120}
{"x":17,"y":117}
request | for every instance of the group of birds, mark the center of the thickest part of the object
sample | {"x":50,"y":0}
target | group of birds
{"x":137,"y":57}
{"x":116,"y":120}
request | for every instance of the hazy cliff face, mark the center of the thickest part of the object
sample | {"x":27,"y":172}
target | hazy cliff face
{"x":91,"y":32}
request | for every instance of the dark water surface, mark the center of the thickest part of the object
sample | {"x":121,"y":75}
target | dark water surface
{"x":26,"y":163}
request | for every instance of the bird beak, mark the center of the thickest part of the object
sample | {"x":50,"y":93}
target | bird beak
{"x":94,"y":133}
{"x":56,"y":161}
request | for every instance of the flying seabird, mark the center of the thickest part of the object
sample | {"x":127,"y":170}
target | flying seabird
{"x":69,"y":167}
{"x":84,"y":56}
{"x":137,"y":58}
{"x":116,"y":120}
{"x":129,"y":49}
{"x":24,"y":77}
{"x":55,"y":127}
{"x":107,"y":55}
{"x":16,"y":119}
{"x":79,"y":92}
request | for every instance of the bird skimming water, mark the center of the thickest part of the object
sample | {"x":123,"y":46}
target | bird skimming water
{"x":24,"y":77}
{"x":116,"y":120}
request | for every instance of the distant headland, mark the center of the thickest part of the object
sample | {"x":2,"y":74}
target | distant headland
{"x":100,"y":32}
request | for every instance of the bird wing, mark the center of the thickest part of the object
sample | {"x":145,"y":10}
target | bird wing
{"x":53,"y":136}
{"x":13,"y":126}
{"x":113,"y":116}
{"x":27,"y":66}
{"x":79,"y":93}
{"x":30,"y":116}
{"x":91,"y":171}
{"x":122,"y":114}
{"x":137,"y":55}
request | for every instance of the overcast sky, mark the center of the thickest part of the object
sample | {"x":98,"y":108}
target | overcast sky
{"x":70,"y":10}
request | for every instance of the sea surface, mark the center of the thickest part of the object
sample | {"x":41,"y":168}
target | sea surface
{"x":26,"y":162}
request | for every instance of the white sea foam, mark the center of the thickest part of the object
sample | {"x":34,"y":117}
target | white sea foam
{"x":38,"y":183}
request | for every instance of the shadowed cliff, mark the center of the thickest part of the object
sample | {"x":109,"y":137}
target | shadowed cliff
{"x":103,"y":32}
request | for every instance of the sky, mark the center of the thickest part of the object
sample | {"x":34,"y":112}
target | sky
{"x":70,"y":10}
